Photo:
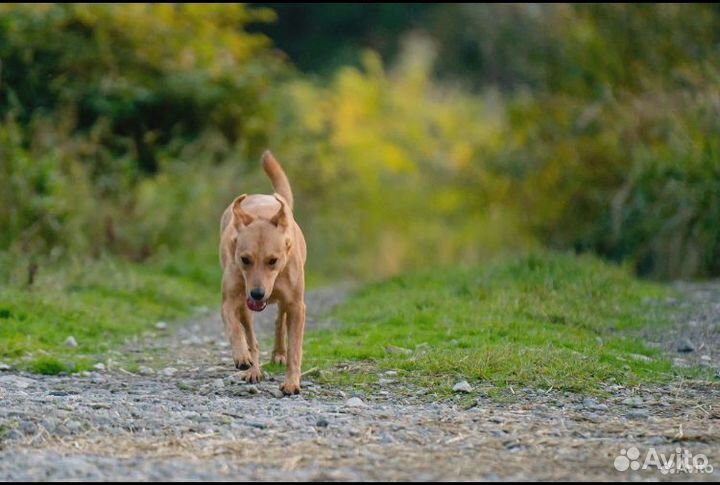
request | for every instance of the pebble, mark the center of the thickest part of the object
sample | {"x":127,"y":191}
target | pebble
{"x":355,"y":402}
{"x":385,"y":382}
{"x":322,"y":423}
{"x":390,"y":373}
{"x":161,"y":326}
{"x":686,"y":345}
{"x":462,"y":386}
{"x":169,"y":371}
{"x":633,"y":402}
{"x":275,"y":392}
{"x":50,"y":424}
{"x":99,"y":366}
{"x":145,"y":371}
{"x":590,"y":403}
{"x":256,"y":425}
{"x":5,"y":367}
{"x":73,"y":426}
{"x":593,"y":417}
{"x":70,"y":342}
{"x":219,"y":384}
{"x":637,"y":414}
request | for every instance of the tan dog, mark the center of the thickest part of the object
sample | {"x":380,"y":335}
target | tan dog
{"x":262,"y":253}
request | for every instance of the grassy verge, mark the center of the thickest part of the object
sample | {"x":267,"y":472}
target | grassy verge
{"x":545,"y":321}
{"x":100,"y":304}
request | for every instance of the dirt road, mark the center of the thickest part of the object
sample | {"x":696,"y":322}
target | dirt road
{"x":185,"y":414}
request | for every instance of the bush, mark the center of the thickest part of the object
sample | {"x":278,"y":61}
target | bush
{"x":93,"y":107}
{"x":624,"y":161}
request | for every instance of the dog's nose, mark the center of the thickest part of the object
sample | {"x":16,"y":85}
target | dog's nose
{"x":257,"y":294}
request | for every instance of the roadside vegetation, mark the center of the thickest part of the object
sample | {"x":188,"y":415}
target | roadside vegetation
{"x":544,"y":320}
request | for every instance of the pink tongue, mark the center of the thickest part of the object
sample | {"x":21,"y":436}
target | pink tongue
{"x":256,"y":306}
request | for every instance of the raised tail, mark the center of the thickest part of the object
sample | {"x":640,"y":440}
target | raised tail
{"x":281,"y":185}
{"x":279,"y":180}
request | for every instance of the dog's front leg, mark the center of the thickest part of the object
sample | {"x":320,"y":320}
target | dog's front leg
{"x":236,"y":335}
{"x":253,"y":374}
{"x":232,"y":304}
{"x":295,"y":328}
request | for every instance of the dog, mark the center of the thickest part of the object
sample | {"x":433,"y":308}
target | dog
{"x":263,"y":254}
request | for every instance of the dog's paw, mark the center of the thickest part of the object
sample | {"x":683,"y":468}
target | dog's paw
{"x":253,"y":375}
{"x":289,"y":389}
{"x":279,"y":359}
{"x":243,"y":363}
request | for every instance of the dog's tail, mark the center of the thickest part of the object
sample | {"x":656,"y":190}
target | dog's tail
{"x":279,"y":180}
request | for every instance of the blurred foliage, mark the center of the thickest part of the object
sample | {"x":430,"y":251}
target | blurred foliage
{"x":465,"y":131}
{"x":322,"y":37}
{"x":97,"y":99}
{"x":387,"y":163}
{"x":617,"y":150}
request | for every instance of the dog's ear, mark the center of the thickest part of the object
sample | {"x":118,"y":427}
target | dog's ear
{"x":281,"y":219}
{"x":241,"y":217}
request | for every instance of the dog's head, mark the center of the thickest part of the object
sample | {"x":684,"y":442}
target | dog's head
{"x":262,"y":249}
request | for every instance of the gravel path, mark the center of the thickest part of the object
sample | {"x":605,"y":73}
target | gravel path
{"x":185,"y":414}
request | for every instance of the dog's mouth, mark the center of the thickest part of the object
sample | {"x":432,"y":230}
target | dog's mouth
{"x":256,"y":306}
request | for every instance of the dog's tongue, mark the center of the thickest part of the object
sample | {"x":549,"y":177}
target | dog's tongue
{"x":256,"y":306}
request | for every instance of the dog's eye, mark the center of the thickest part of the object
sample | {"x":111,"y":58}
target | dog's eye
{"x":246,"y":260}
{"x":272,"y":261}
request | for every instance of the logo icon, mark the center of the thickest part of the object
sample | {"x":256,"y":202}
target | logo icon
{"x":681,"y":461}
{"x":628,"y":459}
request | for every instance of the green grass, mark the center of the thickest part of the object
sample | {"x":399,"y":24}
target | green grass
{"x":545,"y":320}
{"x":100,"y":304}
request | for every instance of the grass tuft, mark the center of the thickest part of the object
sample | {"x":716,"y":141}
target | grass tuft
{"x":543,"y":320}
{"x":100,"y":304}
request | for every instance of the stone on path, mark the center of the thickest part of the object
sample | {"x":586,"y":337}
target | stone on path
{"x":355,"y":402}
{"x":169,"y":371}
{"x":686,"y":345}
{"x":462,"y":386}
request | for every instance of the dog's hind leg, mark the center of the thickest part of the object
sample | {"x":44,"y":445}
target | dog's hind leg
{"x":279,"y":354}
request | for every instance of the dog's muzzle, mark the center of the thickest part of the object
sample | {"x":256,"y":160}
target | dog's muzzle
{"x":256,"y":306}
